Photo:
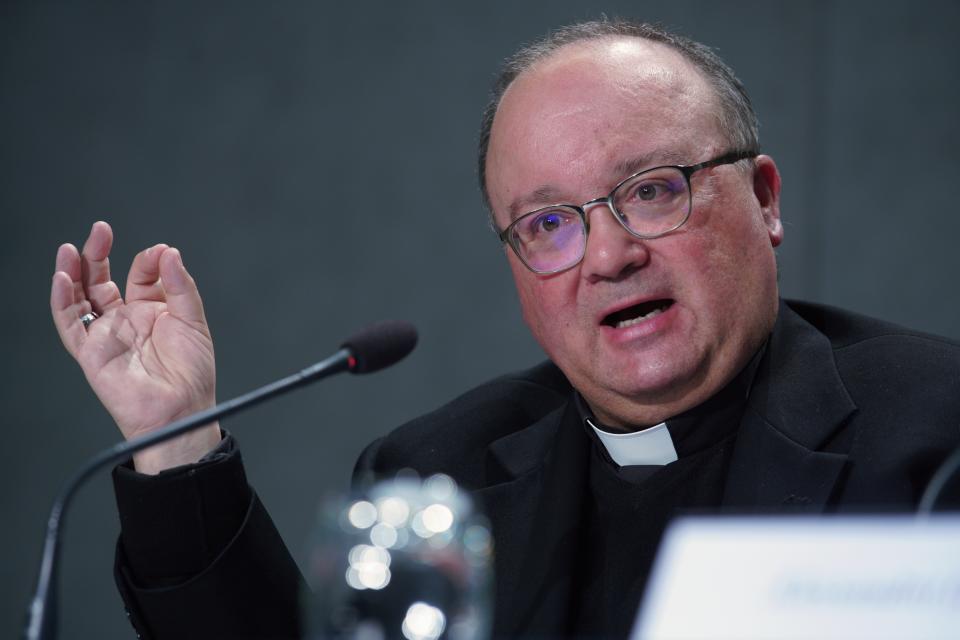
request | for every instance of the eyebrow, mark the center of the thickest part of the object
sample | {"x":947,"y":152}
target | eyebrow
{"x":550,"y":194}
{"x":637,"y":164}
{"x":544,"y":194}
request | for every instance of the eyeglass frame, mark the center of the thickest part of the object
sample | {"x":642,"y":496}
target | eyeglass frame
{"x":687,"y":171}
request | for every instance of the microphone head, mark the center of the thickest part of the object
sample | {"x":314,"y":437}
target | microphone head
{"x":380,"y":345}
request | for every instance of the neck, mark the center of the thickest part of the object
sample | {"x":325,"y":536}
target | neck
{"x":636,"y":415}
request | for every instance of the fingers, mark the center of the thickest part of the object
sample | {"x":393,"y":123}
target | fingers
{"x":68,"y":261}
{"x":100,"y":290}
{"x":67,"y":299}
{"x":143,"y":281}
{"x":183,"y":299}
{"x":67,"y":308}
{"x":82,"y":284}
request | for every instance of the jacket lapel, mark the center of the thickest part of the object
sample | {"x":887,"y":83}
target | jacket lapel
{"x":797,"y":403}
{"x":536,"y":522}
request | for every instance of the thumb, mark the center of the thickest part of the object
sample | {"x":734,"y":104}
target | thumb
{"x":183,"y":298}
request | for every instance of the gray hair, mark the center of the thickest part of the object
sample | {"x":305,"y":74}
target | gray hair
{"x":736,"y":116}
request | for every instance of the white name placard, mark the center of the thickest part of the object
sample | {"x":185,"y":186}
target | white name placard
{"x":876,"y":577}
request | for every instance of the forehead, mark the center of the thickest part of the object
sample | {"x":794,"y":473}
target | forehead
{"x":571,"y":121}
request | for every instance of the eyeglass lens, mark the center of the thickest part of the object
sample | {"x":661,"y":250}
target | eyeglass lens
{"x":647,"y":205}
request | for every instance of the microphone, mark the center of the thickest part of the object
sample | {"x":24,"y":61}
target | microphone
{"x":380,"y":345}
{"x":371,"y":349}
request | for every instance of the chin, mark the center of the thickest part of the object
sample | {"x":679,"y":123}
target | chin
{"x":676,"y":375}
{"x":644,"y":388}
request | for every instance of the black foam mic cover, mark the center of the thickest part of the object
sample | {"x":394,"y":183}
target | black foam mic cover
{"x":380,"y":345}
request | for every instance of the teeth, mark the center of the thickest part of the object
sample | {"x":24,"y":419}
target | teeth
{"x":632,"y":321}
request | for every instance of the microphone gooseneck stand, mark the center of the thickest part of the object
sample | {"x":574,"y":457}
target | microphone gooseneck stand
{"x":374,"y":348}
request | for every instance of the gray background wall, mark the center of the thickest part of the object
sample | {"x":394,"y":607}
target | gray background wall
{"x":315,"y":164}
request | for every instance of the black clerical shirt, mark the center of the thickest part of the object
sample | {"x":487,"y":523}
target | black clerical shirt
{"x":628,"y":507}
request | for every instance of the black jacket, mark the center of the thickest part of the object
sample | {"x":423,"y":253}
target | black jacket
{"x":845,"y":413}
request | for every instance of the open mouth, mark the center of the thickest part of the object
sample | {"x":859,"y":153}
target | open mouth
{"x":637,"y":313}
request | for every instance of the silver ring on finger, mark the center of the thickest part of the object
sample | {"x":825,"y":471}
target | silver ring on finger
{"x":88,"y":318}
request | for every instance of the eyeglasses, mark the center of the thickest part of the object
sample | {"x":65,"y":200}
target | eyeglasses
{"x":648,"y":205}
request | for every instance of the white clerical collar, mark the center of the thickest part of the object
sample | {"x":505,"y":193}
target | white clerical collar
{"x":652,"y":446}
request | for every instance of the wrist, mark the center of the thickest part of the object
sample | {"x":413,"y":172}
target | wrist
{"x":186,"y":449}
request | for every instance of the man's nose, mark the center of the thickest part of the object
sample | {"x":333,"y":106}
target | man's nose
{"x":611,"y":253}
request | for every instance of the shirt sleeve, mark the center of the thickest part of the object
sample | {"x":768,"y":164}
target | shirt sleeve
{"x":173,"y":525}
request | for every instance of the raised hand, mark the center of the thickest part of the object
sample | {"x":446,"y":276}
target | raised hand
{"x":149,"y":355}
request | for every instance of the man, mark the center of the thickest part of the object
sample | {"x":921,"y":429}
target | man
{"x":678,"y":380}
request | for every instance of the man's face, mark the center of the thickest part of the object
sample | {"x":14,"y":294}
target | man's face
{"x":567,"y":131}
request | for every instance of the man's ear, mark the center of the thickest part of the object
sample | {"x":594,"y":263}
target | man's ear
{"x":766,"y":189}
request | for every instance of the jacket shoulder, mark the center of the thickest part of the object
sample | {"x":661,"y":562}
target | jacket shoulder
{"x":453,"y":439}
{"x":905,"y":383}
{"x":887,"y":363}
{"x":851,"y":331}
